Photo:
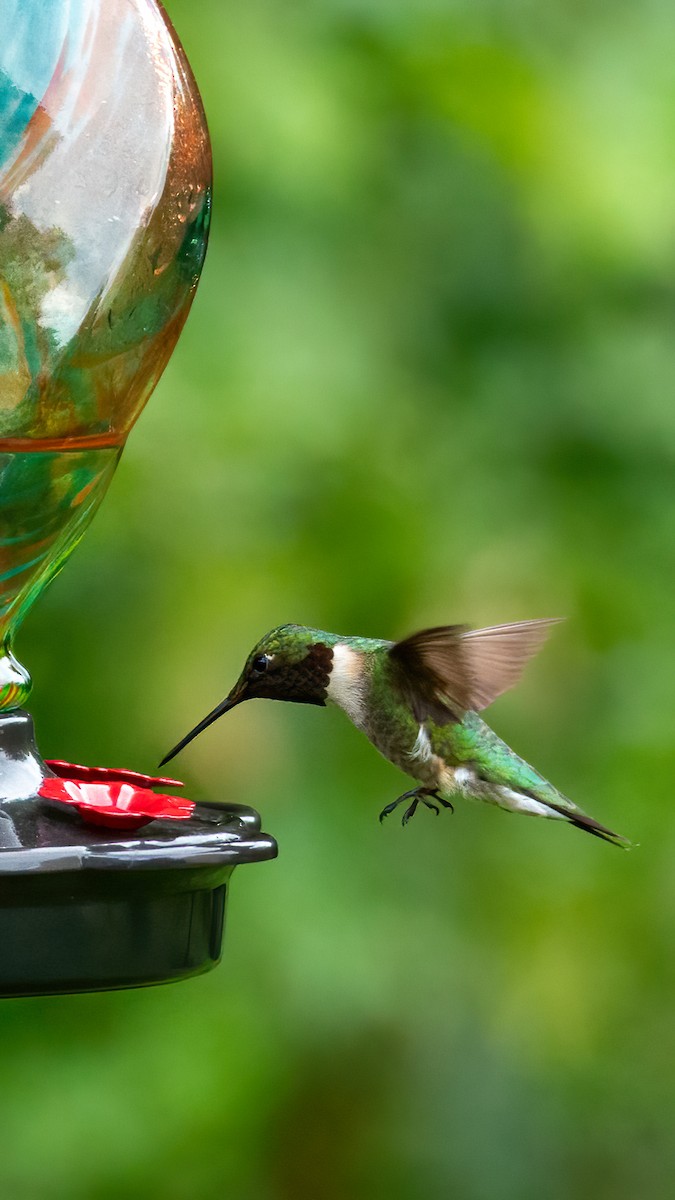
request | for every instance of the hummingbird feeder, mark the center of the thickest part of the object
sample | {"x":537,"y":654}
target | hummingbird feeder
{"x":106,"y":879}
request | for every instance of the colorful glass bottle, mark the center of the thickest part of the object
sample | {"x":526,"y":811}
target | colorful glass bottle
{"x":105,"y":186}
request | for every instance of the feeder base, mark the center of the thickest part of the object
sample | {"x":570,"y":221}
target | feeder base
{"x":84,"y":908}
{"x":99,"y":945}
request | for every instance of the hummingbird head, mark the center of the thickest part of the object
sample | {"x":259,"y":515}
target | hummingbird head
{"x":291,"y":662}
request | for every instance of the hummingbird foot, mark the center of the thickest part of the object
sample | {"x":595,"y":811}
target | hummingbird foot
{"x":416,"y":795}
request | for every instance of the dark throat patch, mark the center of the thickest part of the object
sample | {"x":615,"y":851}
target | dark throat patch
{"x":305,"y":682}
{"x":311,"y":676}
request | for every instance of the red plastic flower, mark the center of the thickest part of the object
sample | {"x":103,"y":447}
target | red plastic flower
{"x":118,"y":799}
{"x":68,"y":770}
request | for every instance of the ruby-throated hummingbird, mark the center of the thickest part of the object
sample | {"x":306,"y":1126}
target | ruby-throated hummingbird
{"x":417,"y":701}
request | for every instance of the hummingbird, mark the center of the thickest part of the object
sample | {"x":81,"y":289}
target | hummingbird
{"x":418,"y":701}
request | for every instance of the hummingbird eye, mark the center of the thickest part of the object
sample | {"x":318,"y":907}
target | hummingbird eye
{"x":260,"y":664}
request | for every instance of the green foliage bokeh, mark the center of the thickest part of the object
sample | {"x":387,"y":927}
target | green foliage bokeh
{"x":427,"y":378}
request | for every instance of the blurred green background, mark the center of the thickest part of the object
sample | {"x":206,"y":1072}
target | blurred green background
{"x":427,"y":378}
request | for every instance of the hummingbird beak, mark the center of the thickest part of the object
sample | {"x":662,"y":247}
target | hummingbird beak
{"x":235,"y":696}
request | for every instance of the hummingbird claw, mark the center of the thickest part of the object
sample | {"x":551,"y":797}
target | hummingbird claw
{"x":416,"y":795}
{"x":410,"y":812}
{"x":389,"y":808}
{"x":443,"y":801}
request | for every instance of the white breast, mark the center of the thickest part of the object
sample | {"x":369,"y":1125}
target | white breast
{"x":346,"y":683}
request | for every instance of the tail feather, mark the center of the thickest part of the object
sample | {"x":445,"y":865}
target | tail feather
{"x":514,"y":784}
{"x":578,"y":818}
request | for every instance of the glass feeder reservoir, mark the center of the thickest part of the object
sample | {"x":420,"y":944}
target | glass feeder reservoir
{"x":106,"y":879}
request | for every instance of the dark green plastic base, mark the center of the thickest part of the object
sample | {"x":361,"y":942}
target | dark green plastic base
{"x":86,"y":909}
{"x":102,"y":944}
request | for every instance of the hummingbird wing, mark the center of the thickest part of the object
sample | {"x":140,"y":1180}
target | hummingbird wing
{"x":432,"y":673}
{"x":445,"y":671}
{"x":498,"y":655}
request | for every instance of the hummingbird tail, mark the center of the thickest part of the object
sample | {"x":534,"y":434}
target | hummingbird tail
{"x":578,"y":818}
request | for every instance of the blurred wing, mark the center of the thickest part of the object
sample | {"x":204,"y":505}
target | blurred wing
{"x":445,"y":671}
{"x":498,"y":655}
{"x":432,"y":673}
